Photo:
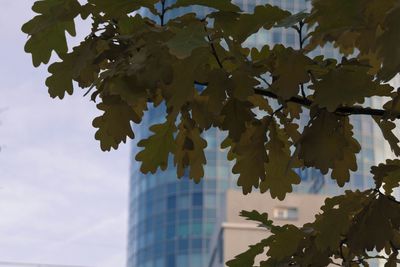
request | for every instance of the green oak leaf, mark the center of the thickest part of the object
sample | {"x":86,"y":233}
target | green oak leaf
{"x":260,"y":102}
{"x":289,"y":71}
{"x":257,"y":217}
{"x":292,"y":20}
{"x":388,"y":175}
{"x":285,"y":242}
{"x":78,"y":65}
{"x":241,"y":26}
{"x":250,"y":154}
{"x":125,"y":87}
{"x":243,"y":84}
{"x":187,"y":38}
{"x":346,"y":86}
{"x":114,"y":126}
{"x":218,"y":84}
{"x":47,"y":30}
{"x":121,"y":8}
{"x":222,"y":5}
{"x":189,"y":151}
{"x":328,"y":143}
{"x":333,"y":17}
{"x":279,"y":174}
{"x":374,"y":220}
{"x":393,"y":260}
{"x":331,"y":226}
{"x":388,"y":50}
{"x":247,"y":258}
{"x":236,"y":114}
{"x":130,"y":25}
{"x":387,"y":128}
{"x":157,"y":147}
{"x":185,"y":72}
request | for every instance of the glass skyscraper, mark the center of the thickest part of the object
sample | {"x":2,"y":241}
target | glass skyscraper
{"x":171,"y":221}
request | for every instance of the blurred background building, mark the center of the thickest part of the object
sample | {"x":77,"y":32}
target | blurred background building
{"x":234,"y":234}
{"x":26,"y":264}
{"x":172,"y":221}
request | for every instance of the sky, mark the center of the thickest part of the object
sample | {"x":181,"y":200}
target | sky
{"x":62,"y":200}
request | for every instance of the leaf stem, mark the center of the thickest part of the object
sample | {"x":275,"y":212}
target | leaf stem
{"x":213,"y":50}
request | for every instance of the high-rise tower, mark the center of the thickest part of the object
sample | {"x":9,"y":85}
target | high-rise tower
{"x":171,"y":221}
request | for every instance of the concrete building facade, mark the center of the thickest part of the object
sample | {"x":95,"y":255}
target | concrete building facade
{"x":236,"y":233}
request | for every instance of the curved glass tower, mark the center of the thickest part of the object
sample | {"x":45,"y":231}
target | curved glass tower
{"x":171,"y":221}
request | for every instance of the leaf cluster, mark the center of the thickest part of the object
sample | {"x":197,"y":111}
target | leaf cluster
{"x":337,"y":236}
{"x":202,"y":71}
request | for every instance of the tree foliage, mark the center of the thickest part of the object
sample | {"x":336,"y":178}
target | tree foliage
{"x":257,"y":95}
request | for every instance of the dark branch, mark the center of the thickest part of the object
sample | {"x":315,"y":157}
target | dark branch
{"x":264,"y":80}
{"x":300,"y":32}
{"x":353,"y":110}
{"x":305,"y":102}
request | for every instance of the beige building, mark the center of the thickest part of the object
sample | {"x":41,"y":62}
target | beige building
{"x":236,"y":233}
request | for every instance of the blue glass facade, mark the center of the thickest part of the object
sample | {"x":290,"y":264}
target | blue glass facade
{"x":171,"y":221}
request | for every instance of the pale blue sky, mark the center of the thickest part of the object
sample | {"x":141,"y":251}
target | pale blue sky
{"x":62,"y":200}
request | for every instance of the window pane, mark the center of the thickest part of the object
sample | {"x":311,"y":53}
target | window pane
{"x":183,"y":230}
{"x":210,"y":201}
{"x":171,"y":261}
{"x":197,"y":199}
{"x":197,"y":244}
{"x":196,"y":260}
{"x":197,"y":214}
{"x":183,"y":202}
{"x":196,"y":229}
{"x":183,"y":260}
{"x":171,"y":202}
{"x":183,"y":215}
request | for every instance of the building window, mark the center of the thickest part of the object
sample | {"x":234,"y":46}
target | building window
{"x":171,"y":202}
{"x":208,"y":229}
{"x":196,"y":260}
{"x":290,"y":39}
{"x":197,"y":199}
{"x":196,"y":229}
{"x":286,"y":213}
{"x":183,"y":230}
{"x":183,"y":202}
{"x":171,"y":261}
{"x":183,"y":260}
{"x":183,"y":244}
{"x":183,"y":215}
{"x":196,"y":244}
{"x":197,"y":214}
{"x":210,"y":201}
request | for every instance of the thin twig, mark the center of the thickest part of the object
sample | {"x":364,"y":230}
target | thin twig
{"x":277,"y":110}
{"x":386,"y":196}
{"x":264,"y":80}
{"x":301,"y":25}
{"x":88,"y":91}
{"x":213,"y":50}
{"x":303,"y":93}
{"x":301,"y":42}
{"x":162,"y":12}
